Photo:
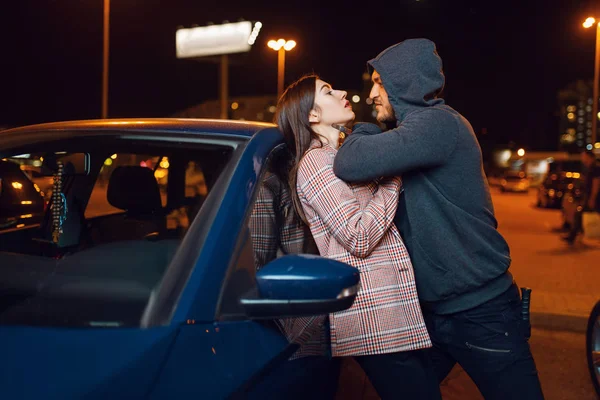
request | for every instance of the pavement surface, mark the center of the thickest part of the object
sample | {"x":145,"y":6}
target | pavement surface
{"x":565,"y":279}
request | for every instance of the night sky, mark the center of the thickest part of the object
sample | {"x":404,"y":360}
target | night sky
{"x":504,"y":61}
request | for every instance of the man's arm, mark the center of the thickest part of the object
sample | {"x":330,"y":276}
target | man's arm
{"x":424,"y":139}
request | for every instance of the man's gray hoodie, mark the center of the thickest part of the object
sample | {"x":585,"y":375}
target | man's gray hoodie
{"x":445,"y":214}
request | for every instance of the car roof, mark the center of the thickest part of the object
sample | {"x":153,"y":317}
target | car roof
{"x":141,"y":126}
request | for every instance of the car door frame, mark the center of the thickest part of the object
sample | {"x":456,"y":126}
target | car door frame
{"x":191,"y":287}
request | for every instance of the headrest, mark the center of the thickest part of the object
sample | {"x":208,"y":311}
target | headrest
{"x":134,"y":189}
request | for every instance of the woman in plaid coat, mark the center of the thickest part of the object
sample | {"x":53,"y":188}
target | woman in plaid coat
{"x":353,"y":223}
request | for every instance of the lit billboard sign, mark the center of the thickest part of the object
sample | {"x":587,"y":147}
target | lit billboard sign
{"x":236,"y":37}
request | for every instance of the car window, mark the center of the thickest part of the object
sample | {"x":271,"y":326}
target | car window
{"x":99,"y":205}
{"x":104,"y":239}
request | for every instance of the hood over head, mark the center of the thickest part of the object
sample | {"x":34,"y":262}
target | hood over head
{"x":411,"y":73}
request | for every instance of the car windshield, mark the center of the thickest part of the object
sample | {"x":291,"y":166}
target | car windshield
{"x":88,"y":227}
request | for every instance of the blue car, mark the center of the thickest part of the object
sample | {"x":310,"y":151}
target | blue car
{"x":140,"y":280}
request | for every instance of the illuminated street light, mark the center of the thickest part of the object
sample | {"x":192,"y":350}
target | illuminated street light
{"x":588,"y":24}
{"x":281,"y":46}
{"x":521,"y":152}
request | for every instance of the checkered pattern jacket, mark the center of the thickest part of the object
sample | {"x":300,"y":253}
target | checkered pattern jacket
{"x":353,"y":223}
{"x":275,"y":230}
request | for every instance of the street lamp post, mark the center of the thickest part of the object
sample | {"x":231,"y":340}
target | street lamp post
{"x":224,"y":92}
{"x":588,"y":24}
{"x":105,"y":60}
{"x":281,"y":46}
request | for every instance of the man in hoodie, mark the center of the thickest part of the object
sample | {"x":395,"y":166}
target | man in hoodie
{"x":445,"y":215}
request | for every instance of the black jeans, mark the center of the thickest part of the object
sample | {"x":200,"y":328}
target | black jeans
{"x":490,"y":344}
{"x":404,"y":375}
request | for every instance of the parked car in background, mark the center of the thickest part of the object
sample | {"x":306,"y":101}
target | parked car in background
{"x":554,"y":187}
{"x":514,"y":181}
{"x":494,"y":176}
{"x":141,"y":289}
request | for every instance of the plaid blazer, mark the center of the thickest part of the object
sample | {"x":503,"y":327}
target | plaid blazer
{"x":275,"y":230}
{"x":353,"y":223}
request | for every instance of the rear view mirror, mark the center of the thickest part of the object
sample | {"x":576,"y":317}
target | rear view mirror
{"x":302,"y":284}
{"x":74,"y":163}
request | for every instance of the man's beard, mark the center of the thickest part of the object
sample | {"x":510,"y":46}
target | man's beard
{"x":388,"y":114}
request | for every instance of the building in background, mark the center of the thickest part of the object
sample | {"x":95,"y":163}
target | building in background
{"x":575,"y":117}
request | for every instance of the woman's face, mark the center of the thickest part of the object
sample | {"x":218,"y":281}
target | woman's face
{"x":331,"y":105}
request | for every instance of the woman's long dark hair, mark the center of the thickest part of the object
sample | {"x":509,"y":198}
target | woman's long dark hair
{"x":293,"y":109}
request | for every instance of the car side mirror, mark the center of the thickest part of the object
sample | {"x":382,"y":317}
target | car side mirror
{"x":300,"y":285}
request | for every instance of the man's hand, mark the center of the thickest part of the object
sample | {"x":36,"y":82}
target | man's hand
{"x":366,"y":128}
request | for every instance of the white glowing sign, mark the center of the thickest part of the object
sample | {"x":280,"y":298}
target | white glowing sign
{"x":236,"y":37}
